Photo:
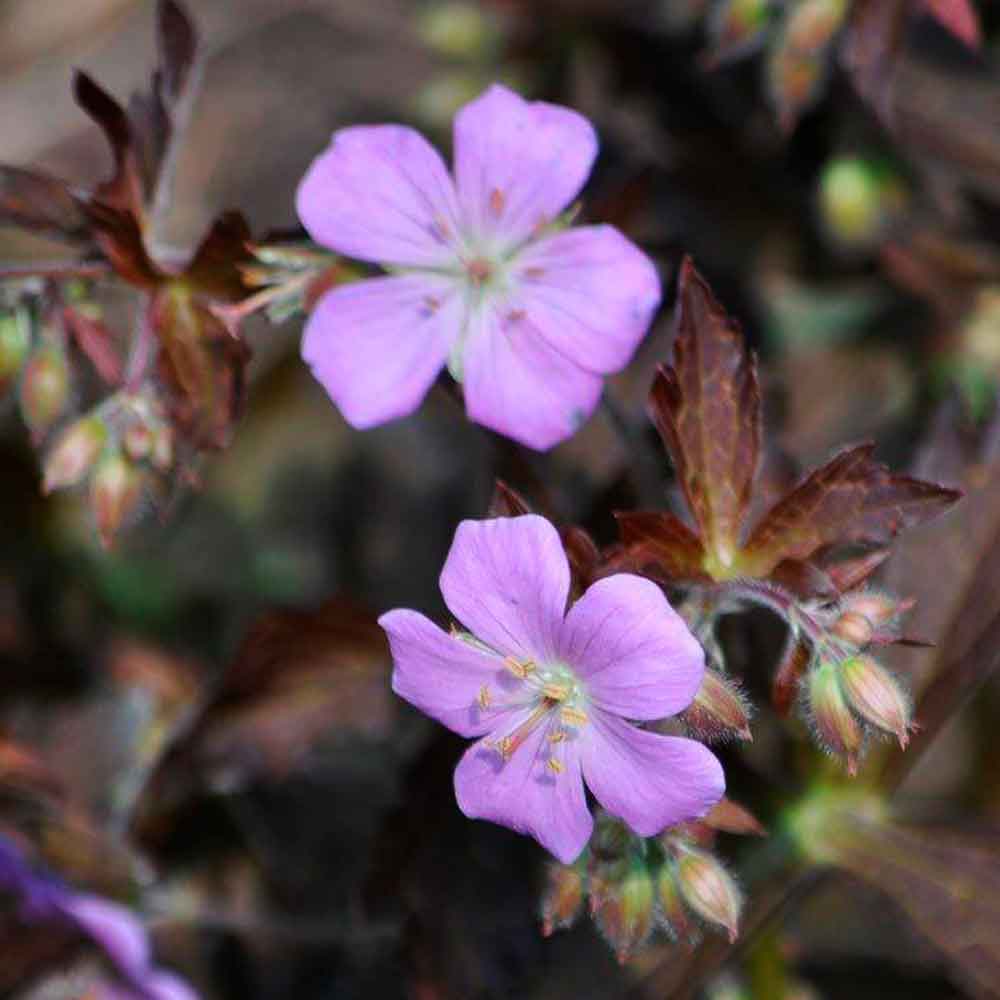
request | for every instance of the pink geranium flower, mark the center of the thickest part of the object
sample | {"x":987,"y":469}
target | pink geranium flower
{"x":527,"y":318}
{"x":551,"y":691}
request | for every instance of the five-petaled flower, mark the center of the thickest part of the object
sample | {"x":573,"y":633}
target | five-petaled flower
{"x":551,"y":692}
{"x":528,"y":318}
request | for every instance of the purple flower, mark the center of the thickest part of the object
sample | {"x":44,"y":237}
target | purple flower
{"x":527,"y":318}
{"x":551,"y":691}
{"x":113,"y":928}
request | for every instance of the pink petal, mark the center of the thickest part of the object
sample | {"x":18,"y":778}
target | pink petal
{"x":378,"y":345}
{"x":115,"y":929}
{"x":381,"y":193}
{"x":638,"y":658}
{"x":444,"y":676}
{"x":516,"y":384}
{"x":507,"y":581}
{"x":526,"y":795}
{"x":518,"y":164}
{"x":649,"y":781}
{"x":590,"y":293}
{"x":166,"y":986}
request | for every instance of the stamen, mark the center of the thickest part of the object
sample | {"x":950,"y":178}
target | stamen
{"x":484,"y":698}
{"x":557,"y":736}
{"x":508,"y":745}
{"x":517,"y":668}
{"x":496,"y":202}
{"x":573,"y":716}
{"x":556,"y":692}
{"x":556,"y":765}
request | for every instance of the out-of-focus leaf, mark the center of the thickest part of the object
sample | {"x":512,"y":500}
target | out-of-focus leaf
{"x":946,"y":882}
{"x":42,"y":204}
{"x":959,"y":17}
{"x":97,"y":343}
{"x":952,"y":569}
{"x":202,"y":365}
{"x":297,"y":679}
{"x":873,"y":39}
{"x":706,"y":406}
{"x":851,"y":499}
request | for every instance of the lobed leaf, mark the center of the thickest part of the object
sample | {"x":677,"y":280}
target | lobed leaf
{"x":851,"y":499}
{"x":660,"y":544}
{"x":706,"y":406}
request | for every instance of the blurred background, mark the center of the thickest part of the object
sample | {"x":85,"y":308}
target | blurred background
{"x":209,"y":701}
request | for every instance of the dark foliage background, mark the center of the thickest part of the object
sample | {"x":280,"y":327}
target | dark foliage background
{"x":215,"y":684}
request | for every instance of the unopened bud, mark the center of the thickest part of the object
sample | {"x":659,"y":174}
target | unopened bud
{"x":709,"y":890}
{"x":838,"y":730}
{"x":719,"y":710}
{"x":562,"y":900}
{"x":625,"y":916}
{"x":876,"y":696}
{"x":115,"y":491}
{"x":854,"y":628}
{"x":15,"y":341}
{"x":455,"y":29}
{"x":858,"y":199}
{"x":878,"y":608}
{"x":44,"y":388}
{"x":673,"y":915}
{"x":74,"y":453}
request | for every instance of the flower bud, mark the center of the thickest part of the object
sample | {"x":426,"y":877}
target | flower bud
{"x":75,"y":451}
{"x":858,"y":199}
{"x":625,"y":915}
{"x":115,"y":491}
{"x":44,"y":388}
{"x":562,"y":900}
{"x":719,"y":710}
{"x":15,"y":341}
{"x":855,"y":628}
{"x":876,"y":696}
{"x":811,"y":24}
{"x":673,"y":916}
{"x":878,"y":608}
{"x":709,"y":890}
{"x":455,"y":29}
{"x":838,"y":730}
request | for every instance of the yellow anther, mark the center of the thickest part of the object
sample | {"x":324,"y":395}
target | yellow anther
{"x":556,"y":692}
{"x":556,"y":765}
{"x":506,"y":747}
{"x":557,"y":735}
{"x":573,"y":716}
{"x":517,"y":668}
{"x":484,"y":697}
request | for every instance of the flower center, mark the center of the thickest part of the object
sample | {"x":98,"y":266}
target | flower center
{"x":558,"y":700}
{"x":480,"y":270}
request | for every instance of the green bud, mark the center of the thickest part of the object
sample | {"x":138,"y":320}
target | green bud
{"x":115,"y":492}
{"x":837,"y":728}
{"x":458,"y":30}
{"x":625,"y":914}
{"x":562,"y":900}
{"x":719,"y":710}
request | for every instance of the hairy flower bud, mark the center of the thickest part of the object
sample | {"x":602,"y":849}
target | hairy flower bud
{"x":673,"y":916}
{"x":562,"y":900}
{"x":115,"y":491}
{"x":75,"y":451}
{"x":838,"y":730}
{"x":15,"y":341}
{"x":876,"y":696}
{"x":625,"y":914}
{"x":855,"y":628}
{"x":709,"y":890}
{"x":163,"y":448}
{"x":44,"y":388}
{"x":719,"y":710}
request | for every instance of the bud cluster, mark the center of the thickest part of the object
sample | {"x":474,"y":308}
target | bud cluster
{"x":119,"y":449}
{"x":634,"y":886}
